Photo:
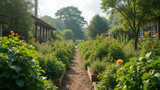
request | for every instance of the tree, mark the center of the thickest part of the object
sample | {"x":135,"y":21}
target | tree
{"x":48,"y":20}
{"x":58,"y":23}
{"x":134,"y":14}
{"x":72,"y":20}
{"x":98,"y":25}
{"x":17,"y":13}
{"x":67,"y":34}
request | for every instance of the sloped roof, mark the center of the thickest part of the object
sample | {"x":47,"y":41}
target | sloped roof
{"x":42,"y":23}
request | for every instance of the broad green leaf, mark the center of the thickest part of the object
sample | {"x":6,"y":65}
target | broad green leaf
{"x":20,"y":83}
{"x":146,"y":76}
{"x":16,"y":68}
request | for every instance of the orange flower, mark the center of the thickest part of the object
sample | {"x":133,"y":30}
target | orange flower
{"x":57,"y":40}
{"x":152,"y":46}
{"x":157,"y":34}
{"x":116,"y":40}
{"x":11,"y":31}
{"x":43,"y":43}
{"x":34,"y":39}
{"x":149,"y":31}
{"x":121,"y":47}
{"x":16,"y":34}
{"x":25,"y":41}
{"x":119,"y":61}
{"x":105,"y":42}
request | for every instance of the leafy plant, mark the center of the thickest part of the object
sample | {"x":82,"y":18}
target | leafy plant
{"x":98,"y":67}
{"x":18,"y":68}
{"x":142,"y":74}
{"x":53,"y":68}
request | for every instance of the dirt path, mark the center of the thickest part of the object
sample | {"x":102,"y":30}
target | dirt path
{"x":76,"y":78}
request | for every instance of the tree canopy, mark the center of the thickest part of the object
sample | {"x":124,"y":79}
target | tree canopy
{"x":133,"y":14}
{"x":17,"y":13}
{"x":98,"y":25}
{"x":72,"y":20}
{"x":67,"y":34}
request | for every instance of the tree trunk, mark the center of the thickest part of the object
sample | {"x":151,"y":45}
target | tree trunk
{"x":135,"y":42}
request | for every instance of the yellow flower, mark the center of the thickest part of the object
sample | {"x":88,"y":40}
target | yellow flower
{"x":152,"y":46}
{"x":11,"y":32}
{"x":116,"y":40}
{"x":149,"y":31}
{"x":43,"y":43}
{"x":157,"y":34}
{"x":57,"y":40}
{"x":145,"y":32}
{"x":105,"y":42}
{"x":16,"y":34}
{"x":119,"y":61}
{"x":97,"y":34}
{"x":121,"y":47}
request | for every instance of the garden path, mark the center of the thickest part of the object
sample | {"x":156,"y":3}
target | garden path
{"x":76,"y":78}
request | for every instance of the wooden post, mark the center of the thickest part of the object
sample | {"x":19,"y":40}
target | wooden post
{"x":1,"y":29}
{"x":36,"y":36}
{"x":158,"y":26}
{"x":43,"y":34}
{"x":40,"y":32}
{"x":46,"y":34}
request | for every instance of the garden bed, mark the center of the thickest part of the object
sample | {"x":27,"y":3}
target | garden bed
{"x":92,"y":76}
{"x":58,"y":82}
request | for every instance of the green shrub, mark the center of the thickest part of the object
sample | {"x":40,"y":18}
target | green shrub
{"x":18,"y":68}
{"x":43,"y":49}
{"x":63,"y":52}
{"x":98,"y":67}
{"x":142,"y":74}
{"x":108,"y":77}
{"x":150,"y":44}
{"x":86,"y":63}
{"x":53,"y":68}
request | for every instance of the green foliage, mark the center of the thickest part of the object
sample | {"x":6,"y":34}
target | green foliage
{"x":134,"y":14}
{"x":43,"y":49}
{"x":101,"y":48}
{"x":150,"y":45}
{"x":67,"y":34}
{"x":142,"y":74}
{"x":72,"y":20}
{"x":18,"y":67}
{"x":98,"y":67}
{"x":86,"y":63}
{"x":63,"y":51}
{"x":54,"y":69}
{"x":49,"y":20}
{"x":98,"y":25}
{"x":108,"y":77}
{"x":17,"y":13}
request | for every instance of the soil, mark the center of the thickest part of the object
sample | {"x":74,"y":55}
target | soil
{"x":76,"y":78}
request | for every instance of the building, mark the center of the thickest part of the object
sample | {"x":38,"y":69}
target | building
{"x":153,"y":27}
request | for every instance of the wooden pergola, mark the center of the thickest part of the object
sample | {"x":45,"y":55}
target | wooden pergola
{"x":1,"y":23}
{"x":42,"y":29}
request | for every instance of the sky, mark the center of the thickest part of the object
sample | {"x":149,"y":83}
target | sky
{"x":88,"y":7}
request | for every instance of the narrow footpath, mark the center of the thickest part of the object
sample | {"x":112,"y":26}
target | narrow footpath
{"x":76,"y":78}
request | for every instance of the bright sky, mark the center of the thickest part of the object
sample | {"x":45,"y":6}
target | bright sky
{"x":88,"y":7}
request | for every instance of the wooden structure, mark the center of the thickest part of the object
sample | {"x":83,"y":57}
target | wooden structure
{"x":42,"y":29}
{"x":107,"y":35}
{"x":1,"y":23}
{"x":153,"y":27}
